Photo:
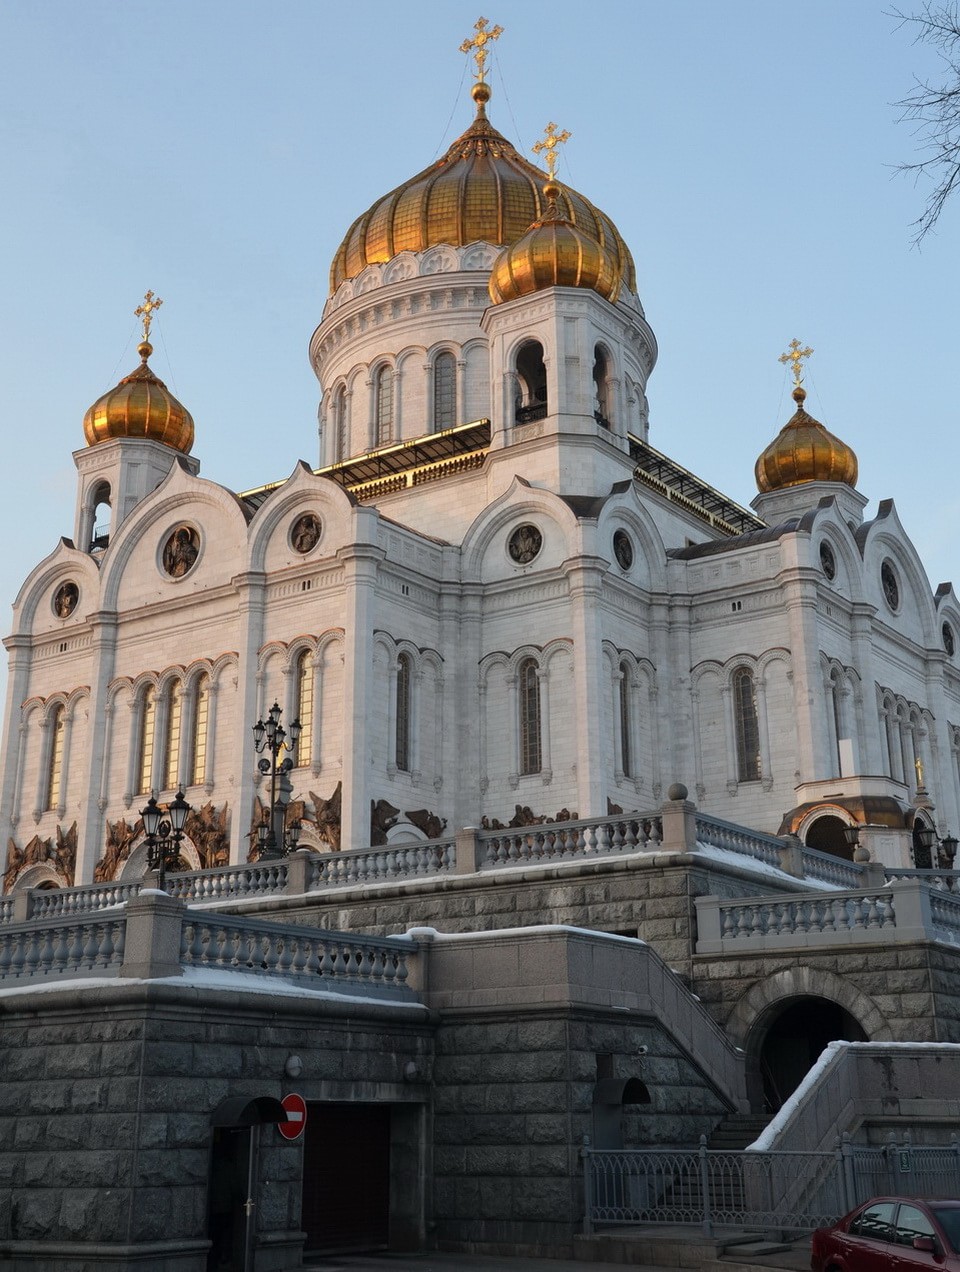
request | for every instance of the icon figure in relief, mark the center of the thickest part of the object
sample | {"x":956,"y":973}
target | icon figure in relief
{"x":181,"y":551}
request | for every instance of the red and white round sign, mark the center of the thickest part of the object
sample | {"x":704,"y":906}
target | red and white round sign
{"x":296,"y":1107}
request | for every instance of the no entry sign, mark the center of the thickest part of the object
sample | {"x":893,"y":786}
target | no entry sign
{"x":296,"y":1107}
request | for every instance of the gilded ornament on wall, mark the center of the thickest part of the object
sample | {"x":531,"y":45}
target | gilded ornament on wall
{"x":305,"y":534}
{"x":62,"y":858}
{"x":65,"y":599}
{"x":524,"y":544}
{"x":180,"y":551}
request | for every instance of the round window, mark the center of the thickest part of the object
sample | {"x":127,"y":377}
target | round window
{"x":65,"y":599}
{"x":891,"y":588}
{"x":524,"y":544}
{"x":623,"y":549}
{"x":949,"y":641}
{"x":828,"y":562}
{"x":180,"y":551}
{"x":305,"y":533}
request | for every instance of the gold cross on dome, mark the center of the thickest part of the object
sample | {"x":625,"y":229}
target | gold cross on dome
{"x":145,"y":311}
{"x":796,"y":355}
{"x":551,"y":139}
{"x":479,"y":42}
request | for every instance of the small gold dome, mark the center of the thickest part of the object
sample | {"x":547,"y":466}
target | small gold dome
{"x":553,"y":253}
{"x":481,"y":190}
{"x":802,"y":451}
{"x":140,"y":406}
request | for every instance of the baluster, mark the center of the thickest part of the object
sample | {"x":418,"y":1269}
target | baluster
{"x":299,"y":957}
{"x":105,"y":952}
{"x":61,"y":951}
{"x":45,"y":952}
{"x":800,"y":915}
{"x":89,"y":946}
{"x":6,"y":953}
{"x":327,"y":965}
{"x":119,"y":941}
{"x":728,"y":923}
{"x":76,"y":948}
{"x":242,"y":955}
{"x":279,"y":948}
{"x":312,"y":967}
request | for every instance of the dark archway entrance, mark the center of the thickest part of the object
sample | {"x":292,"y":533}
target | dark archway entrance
{"x":346,"y":1178}
{"x":794,"y":1040}
{"x":826,"y":834}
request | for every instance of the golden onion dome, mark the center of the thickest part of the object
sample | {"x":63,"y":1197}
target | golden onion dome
{"x":140,"y":406}
{"x":553,"y":253}
{"x":802,"y":451}
{"x":481,"y":190}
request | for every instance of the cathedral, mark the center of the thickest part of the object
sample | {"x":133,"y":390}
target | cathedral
{"x":530,"y":690}
{"x":490,"y":597}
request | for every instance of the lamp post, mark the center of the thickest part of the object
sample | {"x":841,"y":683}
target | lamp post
{"x":946,"y":847}
{"x":274,"y":837}
{"x":164,"y":831}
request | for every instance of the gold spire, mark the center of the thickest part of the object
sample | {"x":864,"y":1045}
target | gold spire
{"x":480,"y":42}
{"x":141,"y":405}
{"x":551,"y":139}
{"x":796,"y":355}
{"x":803,"y":450}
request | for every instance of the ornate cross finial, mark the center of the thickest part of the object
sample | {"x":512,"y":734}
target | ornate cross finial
{"x":479,"y":42}
{"x":551,"y":139}
{"x":796,"y":355}
{"x":145,"y":311}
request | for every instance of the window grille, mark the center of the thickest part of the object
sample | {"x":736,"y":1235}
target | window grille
{"x":171,"y":757}
{"x":747,"y":726}
{"x":403,"y":713}
{"x":444,"y":391}
{"x":200,"y":718}
{"x":55,"y":771}
{"x":304,"y":706}
{"x":384,"y":406}
{"x":530,"y":748}
{"x":148,"y":720}
{"x":340,"y":425}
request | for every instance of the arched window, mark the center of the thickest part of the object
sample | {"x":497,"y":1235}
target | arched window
{"x":148,"y":720}
{"x":403,"y":713}
{"x":532,"y":383}
{"x":171,"y":740}
{"x":836,"y":715}
{"x":626,"y":759}
{"x":384,"y":405}
{"x":601,"y":387}
{"x":303,"y":707}
{"x":339,"y":425}
{"x":201,"y":715}
{"x":530,"y":741}
{"x":55,"y":766}
{"x":747,"y":726}
{"x":100,"y":534}
{"x":444,"y":391}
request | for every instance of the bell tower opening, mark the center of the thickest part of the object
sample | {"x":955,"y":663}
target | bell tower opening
{"x":102,"y":513}
{"x":531,"y":383}
{"x":601,"y":387}
{"x":826,"y":834}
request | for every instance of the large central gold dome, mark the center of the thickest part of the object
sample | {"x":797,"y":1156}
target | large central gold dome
{"x":481,"y":190}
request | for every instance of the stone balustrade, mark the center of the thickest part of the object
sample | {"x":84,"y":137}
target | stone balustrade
{"x":569,"y":840}
{"x":899,"y":911}
{"x":155,"y":935}
{"x":66,"y":903}
{"x":385,"y":864}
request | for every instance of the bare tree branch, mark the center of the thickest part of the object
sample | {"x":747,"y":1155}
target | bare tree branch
{"x":934,"y":109}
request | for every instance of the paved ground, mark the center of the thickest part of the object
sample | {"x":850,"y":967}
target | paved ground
{"x":455,"y":1263}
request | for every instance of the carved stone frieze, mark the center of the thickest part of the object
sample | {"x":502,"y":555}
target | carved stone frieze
{"x":525,"y":816}
{"x":61,"y":857}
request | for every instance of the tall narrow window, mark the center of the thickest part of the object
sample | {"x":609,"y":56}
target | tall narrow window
{"x":55,"y":770}
{"x":747,"y":726}
{"x":625,"y":756}
{"x":601,"y":385}
{"x":403,"y":713}
{"x":171,"y":748}
{"x":201,"y":714}
{"x":340,"y":425}
{"x":304,"y":706}
{"x":384,"y":403}
{"x":837,"y":714}
{"x":529,"y":686}
{"x":148,"y":720}
{"x":444,"y":391}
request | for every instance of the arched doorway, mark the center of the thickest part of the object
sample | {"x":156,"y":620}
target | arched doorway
{"x":792,"y":1042}
{"x":826,"y":834}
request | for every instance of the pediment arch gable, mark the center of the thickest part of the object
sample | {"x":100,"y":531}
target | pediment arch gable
{"x":518,"y":501}
{"x":64,"y":564}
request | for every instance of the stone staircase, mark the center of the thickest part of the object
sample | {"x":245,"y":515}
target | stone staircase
{"x":737,"y":1130}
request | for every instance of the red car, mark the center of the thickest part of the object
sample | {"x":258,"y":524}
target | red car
{"x":891,"y":1234}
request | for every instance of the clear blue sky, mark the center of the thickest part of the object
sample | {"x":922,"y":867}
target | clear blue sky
{"x":216,"y":153}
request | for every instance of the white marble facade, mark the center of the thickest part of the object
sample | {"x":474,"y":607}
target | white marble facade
{"x":441,"y":673}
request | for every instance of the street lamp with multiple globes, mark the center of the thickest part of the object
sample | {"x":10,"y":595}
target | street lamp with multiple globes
{"x":164,"y":831}
{"x":274,"y":837}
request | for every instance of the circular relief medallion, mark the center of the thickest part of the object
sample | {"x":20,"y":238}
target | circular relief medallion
{"x":949,"y":641}
{"x":623,"y":549}
{"x":891,"y":588}
{"x":305,"y":533}
{"x":180,"y":551}
{"x":828,"y":562}
{"x":65,"y":599}
{"x":524,"y":544}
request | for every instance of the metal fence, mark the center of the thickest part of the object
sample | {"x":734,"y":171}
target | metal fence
{"x":785,"y":1193}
